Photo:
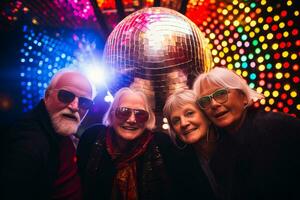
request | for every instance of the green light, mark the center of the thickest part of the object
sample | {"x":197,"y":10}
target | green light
{"x":244,"y":65}
{"x":244,"y":37}
{"x":244,"y":58}
{"x":269,"y":66}
{"x":257,"y":50}
{"x":255,"y":42}
{"x":237,"y":65}
{"x":267,"y":56}
{"x":252,"y":85}
{"x":250,"y":56}
{"x":252,"y":5}
{"x":252,"y":76}
{"x":240,"y":29}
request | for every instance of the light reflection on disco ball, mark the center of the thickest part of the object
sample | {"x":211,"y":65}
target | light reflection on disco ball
{"x":157,"y":50}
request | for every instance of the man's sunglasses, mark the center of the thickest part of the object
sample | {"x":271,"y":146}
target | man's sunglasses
{"x":123,"y":114}
{"x":67,"y":97}
{"x":220,"y":96}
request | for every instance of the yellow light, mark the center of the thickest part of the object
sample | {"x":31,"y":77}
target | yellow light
{"x":224,"y":43}
{"x":263,"y":2}
{"x":256,"y":30}
{"x":279,"y":75}
{"x":214,"y":52}
{"x":245,"y":74}
{"x":216,"y":59}
{"x":289,"y":3}
{"x":34,"y":21}
{"x":221,"y":54}
{"x":293,"y":94}
{"x":261,"y":68}
{"x":247,"y":28}
{"x":235,"y":2}
{"x":271,"y":101}
{"x":275,"y":46}
{"x":264,"y":46}
{"x":229,"y":59}
{"x":235,"y":11}
{"x":275,"y":93}
{"x":253,"y":23}
{"x":227,"y":22}
{"x":287,"y":75}
{"x":230,"y":66}
{"x":265,"y":27}
{"x":294,"y":56}
{"x":278,"y":65}
{"x":252,"y":34}
{"x":285,"y":54}
{"x":247,"y":9}
{"x":298,"y":106}
{"x":212,"y":36}
{"x":286,"y":87}
{"x":269,"y":9}
{"x":248,"y":19}
{"x":236,"y":56}
{"x":276,"y":18}
{"x":259,"y":89}
{"x":226,"y":50}
{"x":225,"y":12}
{"x":260,"y":20}
{"x":258,"y":10}
{"x":261,"y":38}
{"x":281,"y":25}
{"x":270,"y":36}
{"x":260,"y":59}
{"x":236,"y":23}
{"x":241,"y":5}
{"x":210,"y":46}
{"x":266,"y":93}
{"x":285,"y":34}
{"x":227,"y":33}
{"x":238,"y":71}
{"x":229,"y":7}
{"x":233,"y":48}
{"x":267,"y":109}
{"x":263,"y":101}
{"x":296,"y":13}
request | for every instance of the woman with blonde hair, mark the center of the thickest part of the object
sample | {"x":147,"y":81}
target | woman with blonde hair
{"x":269,"y":140}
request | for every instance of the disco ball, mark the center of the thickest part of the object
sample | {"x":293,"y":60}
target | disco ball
{"x":157,"y":50}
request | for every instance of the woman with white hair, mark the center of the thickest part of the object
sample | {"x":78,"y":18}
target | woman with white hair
{"x":269,"y":140}
{"x":122,"y":159}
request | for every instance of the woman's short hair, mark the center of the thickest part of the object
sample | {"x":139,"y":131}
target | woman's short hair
{"x":174,"y":102}
{"x":108,"y":117}
{"x":223,"y":77}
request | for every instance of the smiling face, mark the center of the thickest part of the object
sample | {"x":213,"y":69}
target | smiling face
{"x":189,"y":123}
{"x":66,"y":117}
{"x":130,"y":129}
{"x":230,"y":114}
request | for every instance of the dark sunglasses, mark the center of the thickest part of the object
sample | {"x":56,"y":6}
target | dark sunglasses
{"x":123,"y":114}
{"x":67,"y":97}
{"x":220,"y":96}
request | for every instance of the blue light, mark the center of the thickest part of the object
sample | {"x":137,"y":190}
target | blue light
{"x":22,"y":74}
{"x":252,"y":76}
{"x":22,"y":60}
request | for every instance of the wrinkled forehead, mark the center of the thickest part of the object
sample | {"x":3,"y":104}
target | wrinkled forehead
{"x":74,"y":82}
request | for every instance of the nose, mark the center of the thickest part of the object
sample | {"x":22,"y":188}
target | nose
{"x":131,"y":118}
{"x":214,"y":103}
{"x":184,"y":122}
{"x":74,"y":105}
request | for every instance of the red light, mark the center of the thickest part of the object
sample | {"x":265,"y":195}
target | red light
{"x":282,"y":45}
{"x":277,"y":86}
{"x":295,"y":31}
{"x":286,"y":65}
{"x":269,"y":20}
{"x":270,"y":75}
{"x":262,"y":83}
{"x":274,"y":27}
{"x":288,"y":44}
{"x":278,"y":36}
{"x":283,"y":96}
{"x":283,"y":13}
{"x":290,"y":102}
{"x":277,"y":56}
{"x":286,"y":109}
{"x":290,"y":23}
{"x":296,"y":79}
{"x":279,"y":104}
{"x":298,"y":43}
{"x":262,"y":75}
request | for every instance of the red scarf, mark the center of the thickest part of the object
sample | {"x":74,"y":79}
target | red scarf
{"x":125,"y":180}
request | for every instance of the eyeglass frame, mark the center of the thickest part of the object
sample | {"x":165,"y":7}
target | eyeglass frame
{"x":80,"y":98}
{"x":132,"y":110}
{"x":211,"y":96}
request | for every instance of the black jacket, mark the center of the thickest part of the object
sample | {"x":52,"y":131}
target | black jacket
{"x":30,"y":157}
{"x":156,"y":180}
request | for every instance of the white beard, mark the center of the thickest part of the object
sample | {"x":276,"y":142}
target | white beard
{"x":64,"y":126}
